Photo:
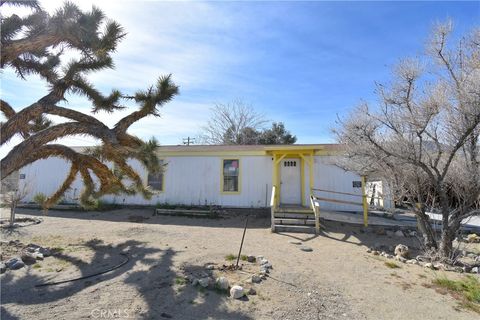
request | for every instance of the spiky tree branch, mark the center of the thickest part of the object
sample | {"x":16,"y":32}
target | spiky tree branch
{"x":36,"y":44}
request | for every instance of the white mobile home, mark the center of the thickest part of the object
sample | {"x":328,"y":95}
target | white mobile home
{"x":230,"y":176}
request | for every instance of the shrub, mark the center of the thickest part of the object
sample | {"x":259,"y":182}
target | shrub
{"x":40,"y":198}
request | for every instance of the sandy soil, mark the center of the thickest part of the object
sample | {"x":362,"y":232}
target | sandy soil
{"x":337,"y":280}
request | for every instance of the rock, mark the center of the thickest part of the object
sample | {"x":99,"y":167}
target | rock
{"x":412,"y":233}
{"x":256,"y":278}
{"x":429,"y":265}
{"x":10,"y":262}
{"x":412,"y":261}
{"x":210,"y":267}
{"x":38,"y":255}
{"x":236,"y":292}
{"x":383,"y":254}
{"x":258,"y":258}
{"x":402,"y":251}
{"x":389,"y":256}
{"x":365,"y":230}
{"x":28,"y":258}
{"x":251,"y":292}
{"x":36,"y":248}
{"x":222,"y":283}
{"x":375,"y":252}
{"x":471,"y":255}
{"x":389,"y":233}
{"x":369,"y":250}
{"x":264,"y":271}
{"x":204,"y":282}
{"x":194,"y":282}
{"x":380,"y":232}
{"x":165,"y":315}
{"x":295,"y":242}
{"x":306,"y":248}
{"x":472,"y":237}
{"x":251,"y":259}
{"x":14,"y":264}
{"x":401,"y":259}
{"x":263,"y":261}
{"x":399,"y":233}
{"x":3,"y":267}
{"x":475,"y":270}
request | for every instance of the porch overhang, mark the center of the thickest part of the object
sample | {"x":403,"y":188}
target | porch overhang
{"x":305,"y":153}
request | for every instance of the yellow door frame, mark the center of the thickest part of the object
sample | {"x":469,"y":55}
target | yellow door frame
{"x":278,"y":156}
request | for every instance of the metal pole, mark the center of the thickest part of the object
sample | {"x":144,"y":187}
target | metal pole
{"x":241,"y":244}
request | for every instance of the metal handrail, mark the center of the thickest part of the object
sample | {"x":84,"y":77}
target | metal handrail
{"x":345,"y":193}
{"x":316,"y":212}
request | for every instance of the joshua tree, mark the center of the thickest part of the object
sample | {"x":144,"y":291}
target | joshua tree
{"x":423,"y":138}
{"x":38,"y":44}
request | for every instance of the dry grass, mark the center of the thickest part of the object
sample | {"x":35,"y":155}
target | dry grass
{"x":466,"y":290}
{"x":392,"y":265}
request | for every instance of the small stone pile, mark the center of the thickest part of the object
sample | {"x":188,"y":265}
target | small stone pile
{"x":207,"y":280}
{"x":27,"y":255}
{"x":402,"y":254}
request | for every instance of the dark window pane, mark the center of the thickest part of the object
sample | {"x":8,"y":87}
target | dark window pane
{"x":230,"y":184}
{"x":155,"y":180}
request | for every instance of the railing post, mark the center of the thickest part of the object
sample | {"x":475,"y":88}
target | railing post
{"x":272,"y":208}
{"x":316,"y":213}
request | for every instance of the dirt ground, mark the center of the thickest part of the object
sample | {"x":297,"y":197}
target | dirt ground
{"x":337,"y":280}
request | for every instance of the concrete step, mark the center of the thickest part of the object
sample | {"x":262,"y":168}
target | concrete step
{"x":293,"y":215}
{"x":291,"y":221}
{"x":293,"y":228}
{"x":293,"y":210}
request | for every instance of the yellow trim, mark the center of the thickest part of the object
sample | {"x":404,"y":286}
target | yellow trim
{"x":276,"y":176}
{"x":291,"y":150}
{"x":163,"y":178}
{"x":239,"y":177}
{"x":210,"y":153}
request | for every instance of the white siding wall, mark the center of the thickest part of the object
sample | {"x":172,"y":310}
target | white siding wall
{"x":46,"y":176}
{"x":329,"y":177}
{"x":197,"y":181}
{"x":188,"y":180}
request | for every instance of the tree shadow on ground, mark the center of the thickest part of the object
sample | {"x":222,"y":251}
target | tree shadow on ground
{"x":148,"y":279}
{"x":145,"y":216}
{"x":371,"y":237}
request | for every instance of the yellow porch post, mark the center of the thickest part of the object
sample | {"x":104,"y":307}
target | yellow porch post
{"x":276,"y":176}
{"x":302,"y":179}
{"x":310,"y":171}
{"x":364,"y":201}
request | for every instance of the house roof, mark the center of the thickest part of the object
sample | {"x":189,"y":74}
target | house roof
{"x":203,"y":148}
{"x":227,"y":150}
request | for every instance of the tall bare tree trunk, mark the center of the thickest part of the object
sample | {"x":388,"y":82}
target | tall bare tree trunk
{"x":12,"y":213}
{"x":425,"y":227}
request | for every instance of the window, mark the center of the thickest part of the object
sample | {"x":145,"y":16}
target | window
{"x":155,"y":180}
{"x":290,"y":163}
{"x":357,"y":184}
{"x":230,"y":175}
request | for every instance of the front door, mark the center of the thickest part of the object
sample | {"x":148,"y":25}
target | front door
{"x":290,"y":181}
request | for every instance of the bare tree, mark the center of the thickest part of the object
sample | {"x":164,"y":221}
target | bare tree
{"x":12,"y":193}
{"x":233,"y":123}
{"x":423,"y":137}
{"x":39,"y":44}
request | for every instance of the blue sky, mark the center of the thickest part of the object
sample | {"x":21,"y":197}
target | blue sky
{"x":297,"y":62}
